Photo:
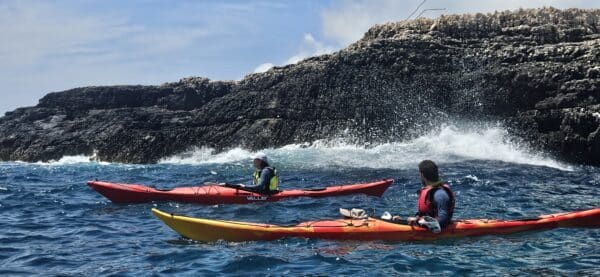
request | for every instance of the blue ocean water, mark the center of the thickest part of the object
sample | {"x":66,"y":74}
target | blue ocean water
{"x":52,"y":223}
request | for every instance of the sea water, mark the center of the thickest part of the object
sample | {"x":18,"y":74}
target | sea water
{"x":52,"y":223}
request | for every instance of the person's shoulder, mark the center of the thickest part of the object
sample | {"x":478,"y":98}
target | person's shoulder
{"x":441,"y":193}
{"x":268,"y":170}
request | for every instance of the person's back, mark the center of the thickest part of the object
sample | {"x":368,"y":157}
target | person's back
{"x":436,"y":199}
{"x":442,"y":207}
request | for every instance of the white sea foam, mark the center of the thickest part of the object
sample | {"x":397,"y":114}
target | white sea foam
{"x":449,"y":144}
{"x":204,"y":155}
{"x":77,"y":159}
{"x":472,"y":177}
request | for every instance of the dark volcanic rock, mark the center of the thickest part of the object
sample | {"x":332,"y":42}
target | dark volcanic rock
{"x":537,"y":70}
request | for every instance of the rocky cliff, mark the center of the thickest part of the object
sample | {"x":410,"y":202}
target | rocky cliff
{"x":538,"y":71}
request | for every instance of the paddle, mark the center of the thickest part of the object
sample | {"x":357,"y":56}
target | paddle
{"x":222,"y":184}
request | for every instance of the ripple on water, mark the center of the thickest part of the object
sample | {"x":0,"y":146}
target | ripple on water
{"x":53,"y":223}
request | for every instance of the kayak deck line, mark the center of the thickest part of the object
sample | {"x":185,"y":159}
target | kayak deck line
{"x":216,"y":194}
{"x":201,"y":229}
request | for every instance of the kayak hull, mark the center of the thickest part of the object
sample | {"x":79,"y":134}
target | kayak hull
{"x":368,"y":229}
{"x":215,"y":194}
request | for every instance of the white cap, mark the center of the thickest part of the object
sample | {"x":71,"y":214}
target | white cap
{"x":261,"y":156}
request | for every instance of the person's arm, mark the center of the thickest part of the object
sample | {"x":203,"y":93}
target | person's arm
{"x":263,"y":181}
{"x":442,"y":201}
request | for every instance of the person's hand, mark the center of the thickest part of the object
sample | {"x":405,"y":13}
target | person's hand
{"x":411,"y":220}
{"x":396,"y":218}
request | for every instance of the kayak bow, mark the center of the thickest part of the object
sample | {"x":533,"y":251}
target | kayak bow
{"x":215,"y":194}
{"x":368,"y":229}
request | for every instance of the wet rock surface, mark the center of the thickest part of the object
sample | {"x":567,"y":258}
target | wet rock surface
{"x":538,"y":71}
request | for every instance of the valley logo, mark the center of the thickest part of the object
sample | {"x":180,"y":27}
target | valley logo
{"x":257,"y":198}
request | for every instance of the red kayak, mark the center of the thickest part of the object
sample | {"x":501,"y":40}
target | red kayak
{"x":216,"y":194}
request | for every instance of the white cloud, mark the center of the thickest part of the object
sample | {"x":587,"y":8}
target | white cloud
{"x":263,"y":67}
{"x":49,"y":46}
{"x":309,"y":47}
{"x":346,"y":22}
{"x":33,"y":31}
{"x":475,"y":6}
{"x":52,"y":46}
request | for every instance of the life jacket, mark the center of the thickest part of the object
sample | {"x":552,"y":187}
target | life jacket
{"x":273,"y":183}
{"x":426,"y":205}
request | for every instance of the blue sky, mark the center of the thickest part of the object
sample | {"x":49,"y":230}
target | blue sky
{"x":55,"y":45}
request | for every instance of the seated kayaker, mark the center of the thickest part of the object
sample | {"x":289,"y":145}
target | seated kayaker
{"x":436,"y":199}
{"x":265,"y":178}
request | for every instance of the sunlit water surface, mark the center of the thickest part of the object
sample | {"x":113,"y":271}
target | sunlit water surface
{"x":53,"y":223}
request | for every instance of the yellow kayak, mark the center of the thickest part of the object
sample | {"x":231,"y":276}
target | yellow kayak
{"x":368,"y":229}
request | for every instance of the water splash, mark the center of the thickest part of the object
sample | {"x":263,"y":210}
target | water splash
{"x":71,"y":160}
{"x":205,"y":155}
{"x":449,"y":144}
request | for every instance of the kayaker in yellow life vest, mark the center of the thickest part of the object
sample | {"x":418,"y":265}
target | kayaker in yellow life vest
{"x":265,"y":178}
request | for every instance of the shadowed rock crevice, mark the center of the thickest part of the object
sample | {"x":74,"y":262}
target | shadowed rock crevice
{"x":537,"y":71}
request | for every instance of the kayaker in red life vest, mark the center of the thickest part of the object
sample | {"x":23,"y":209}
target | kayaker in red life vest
{"x":436,"y":199}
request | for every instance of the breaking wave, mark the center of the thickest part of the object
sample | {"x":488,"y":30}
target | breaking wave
{"x":71,"y":160}
{"x":449,"y":144}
